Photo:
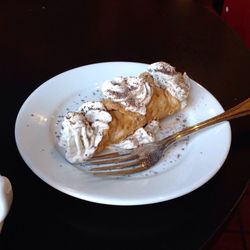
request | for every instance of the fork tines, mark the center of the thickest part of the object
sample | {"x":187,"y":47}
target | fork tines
{"x":114,"y":164}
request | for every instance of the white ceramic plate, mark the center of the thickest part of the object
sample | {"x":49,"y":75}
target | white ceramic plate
{"x":186,"y":166}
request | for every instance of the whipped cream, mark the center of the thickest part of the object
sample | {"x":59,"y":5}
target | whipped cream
{"x":134,"y":93}
{"x":141,"y":136}
{"x":83,"y":130}
{"x":177,"y":84}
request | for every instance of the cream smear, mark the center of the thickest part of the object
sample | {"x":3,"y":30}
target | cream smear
{"x":141,"y":136}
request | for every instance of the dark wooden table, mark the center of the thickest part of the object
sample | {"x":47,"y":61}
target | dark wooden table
{"x":40,"y":39}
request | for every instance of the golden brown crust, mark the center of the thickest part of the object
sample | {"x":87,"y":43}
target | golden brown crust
{"x":161,"y":105}
{"x":125,"y":123}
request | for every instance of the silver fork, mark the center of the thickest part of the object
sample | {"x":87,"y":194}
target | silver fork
{"x":147,"y":155}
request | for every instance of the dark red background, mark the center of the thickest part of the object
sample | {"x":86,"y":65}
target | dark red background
{"x":235,"y":13}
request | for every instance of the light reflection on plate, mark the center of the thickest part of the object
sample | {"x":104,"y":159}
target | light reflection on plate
{"x":184,"y":168}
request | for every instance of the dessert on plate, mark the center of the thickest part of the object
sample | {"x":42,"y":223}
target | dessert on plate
{"x":128,"y":115}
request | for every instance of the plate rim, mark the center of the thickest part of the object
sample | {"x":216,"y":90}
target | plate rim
{"x":106,"y":200}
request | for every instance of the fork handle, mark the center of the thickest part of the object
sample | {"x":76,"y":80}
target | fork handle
{"x":242,"y":109}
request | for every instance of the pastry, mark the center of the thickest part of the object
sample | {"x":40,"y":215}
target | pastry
{"x":129,"y":104}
